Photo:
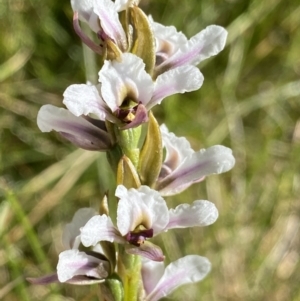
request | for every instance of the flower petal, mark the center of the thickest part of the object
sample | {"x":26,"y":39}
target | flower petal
{"x":76,"y":129}
{"x":77,"y":280}
{"x":125,"y":80}
{"x":179,"y":80}
{"x":72,"y":230}
{"x":214,"y":160}
{"x":189,"y":269}
{"x":207,"y":43}
{"x":177,"y":148}
{"x":84,"y":280}
{"x":151,"y":271}
{"x":143,"y":206}
{"x":110,"y":23}
{"x":198,"y":214}
{"x":47,"y":279}
{"x":168,"y":40}
{"x":83,"y":100}
{"x":147,"y":250}
{"x":72,"y":263}
{"x":99,"y":228}
{"x":85,"y":12}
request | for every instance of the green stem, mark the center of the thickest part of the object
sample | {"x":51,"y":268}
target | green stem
{"x":129,"y":269}
{"x":132,"y":279}
{"x":89,"y":58}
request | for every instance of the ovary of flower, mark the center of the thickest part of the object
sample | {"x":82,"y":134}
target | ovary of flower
{"x":159,"y":282}
{"x":173,"y":49}
{"x":141,"y":214}
{"x":183,"y":166}
{"x":127,"y":90}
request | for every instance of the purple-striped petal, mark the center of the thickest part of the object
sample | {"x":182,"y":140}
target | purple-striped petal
{"x":47,"y":279}
{"x":189,"y":269}
{"x":179,"y":80}
{"x":73,"y":263}
{"x":214,"y":160}
{"x":198,"y":214}
{"x":76,"y":280}
{"x":147,"y":250}
{"x":207,"y":43}
{"x":85,"y":13}
{"x":76,"y":129}
{"x":110,"y":23}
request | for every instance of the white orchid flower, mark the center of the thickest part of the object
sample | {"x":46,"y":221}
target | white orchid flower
{"x":141,"y":214}
{"x":74,"y":266}
{"x":160,"y":282}
{"x":173,"y":49}
{"x":102,"y":17}
{"x":183,"y":166}
{"x":125,"y":93}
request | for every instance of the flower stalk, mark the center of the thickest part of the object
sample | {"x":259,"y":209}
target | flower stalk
{"x":131,"y":267}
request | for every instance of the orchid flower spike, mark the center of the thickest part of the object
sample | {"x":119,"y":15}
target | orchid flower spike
{"x":173,"y":49}
{"x":183,"y":166}
{"x":141,"y":214}
{"x":160,"y":282}
{"x":125,"y":93}
{"x":75,"y":266}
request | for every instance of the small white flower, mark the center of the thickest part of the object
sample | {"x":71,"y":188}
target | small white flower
{"x":142,"y":213}
{"x":183,"y":166}
{"x":102,"y":17}
{"x":159,"y":282}
{"x":124,"y":95}
{"x":74,"y":266}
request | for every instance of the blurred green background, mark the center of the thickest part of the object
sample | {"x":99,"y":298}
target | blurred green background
{"x":249,"y":102}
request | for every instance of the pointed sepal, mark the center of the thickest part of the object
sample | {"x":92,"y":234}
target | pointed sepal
{"x":144,"y":42}
{"x":104,"y":208}
{"x":127,"y":174}
{"x":151,"y":154}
